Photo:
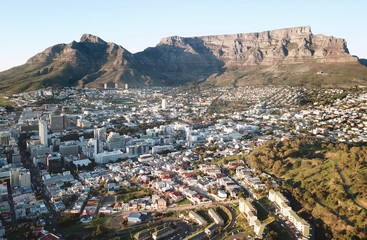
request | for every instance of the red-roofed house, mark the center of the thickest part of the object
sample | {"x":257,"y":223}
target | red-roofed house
{"x":49,"y":236}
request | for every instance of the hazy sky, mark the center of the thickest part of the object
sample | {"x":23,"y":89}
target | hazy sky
{"x":30,"y":26}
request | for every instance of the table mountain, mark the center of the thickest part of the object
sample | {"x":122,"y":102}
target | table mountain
{"x":290,"y":56}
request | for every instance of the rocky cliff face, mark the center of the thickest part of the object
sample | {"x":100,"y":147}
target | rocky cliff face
{"x":290,"y":45}
{"x":277,"y":56}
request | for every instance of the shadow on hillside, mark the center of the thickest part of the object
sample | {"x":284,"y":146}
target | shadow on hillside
{"x":190,"y":61}
{"x":362,"y":61}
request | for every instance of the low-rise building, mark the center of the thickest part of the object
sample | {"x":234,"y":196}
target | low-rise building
{"x":216,"y":217}
{"x":197,"y":218}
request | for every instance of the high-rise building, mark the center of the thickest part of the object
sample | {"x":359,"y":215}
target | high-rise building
{"x":115,"y":140}
{"x":68,"y":148}
{"x":20,"y":177}
{"x":116,"y":85}
{"x":58,"y":123}
{"x":100,"y":133}
{"x":42,"y":128}
{"x":25,"y":179}
{"x":105,"y":86}
{"x":53,"y":162}
{"x":4,"y":137}
{"x":126,"y":86}
{"x":164,"y":103}
{"x":14,"y":177}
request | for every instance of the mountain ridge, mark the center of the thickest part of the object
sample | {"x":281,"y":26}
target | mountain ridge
{"x":288,"y":56}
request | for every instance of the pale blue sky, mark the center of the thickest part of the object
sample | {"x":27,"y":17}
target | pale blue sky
{"x":30,"y":26}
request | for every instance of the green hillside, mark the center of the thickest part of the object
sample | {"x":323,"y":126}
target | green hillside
{"x":327,"y":184}
{"x":309,"y":74}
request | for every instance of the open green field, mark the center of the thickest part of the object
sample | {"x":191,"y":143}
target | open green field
{"x":184,"y":202}
{"x":89,"y":226}
{"x":132,"y":193}
{"x":5,"y":102}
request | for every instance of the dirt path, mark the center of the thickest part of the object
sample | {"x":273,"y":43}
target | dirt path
{"x":347,"y":188}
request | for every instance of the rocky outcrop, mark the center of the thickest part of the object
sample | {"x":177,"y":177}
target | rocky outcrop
{"x":363,"y":61}
{"x":92,"y":39}
{"x":289,"y":45}
{"x":247,"y":58}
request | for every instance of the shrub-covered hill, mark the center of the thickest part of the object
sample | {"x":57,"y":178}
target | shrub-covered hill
{"x":326,"y":183}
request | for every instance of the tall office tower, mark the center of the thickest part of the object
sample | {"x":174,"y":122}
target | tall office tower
{"x":105,"y":86}
{"x":14,"y":177}
{"x":4,"y":137}
{"x":42,"y":128}
{"x":100,"y":133}
{"x":126,"y":86}
{"x":58,"y":123}
{"x":164,"y":103}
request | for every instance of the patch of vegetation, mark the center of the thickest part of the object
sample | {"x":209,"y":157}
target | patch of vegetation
{"x":125,"y":195}
{"x":76,"y":136}
{"x":326,"y":183}
{"x":291,"y":46}
{"x":67,"y":219}
{"x":222,"y":106}
{"x":276,"y":232}
{"x":89,"y":226}
{"x":49,"y":100}
{"x":21,"y":231}
{"x":69,"y":199}
{"x":184,"y":202}
{"x":5,"y":102}
{"x":125,"y":101}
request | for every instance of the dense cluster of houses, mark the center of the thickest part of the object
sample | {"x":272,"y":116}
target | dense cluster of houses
{"x":108,"y":128}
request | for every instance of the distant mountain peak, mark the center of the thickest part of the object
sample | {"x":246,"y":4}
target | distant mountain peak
{"x":289,"y":56}
{"x":92,"y":39}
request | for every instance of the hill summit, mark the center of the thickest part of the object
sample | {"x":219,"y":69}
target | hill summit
{"x":290,"y":56}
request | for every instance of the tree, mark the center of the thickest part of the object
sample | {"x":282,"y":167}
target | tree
{"x":268,"y":184}
{"x":99,"y":231}
{"x":123,"y":222}
{"x":241,"y":194}
{"x":99,"y":215}
{"x":277,"y":167}
{"x":272,"y":235}
{"x":67,"y":219}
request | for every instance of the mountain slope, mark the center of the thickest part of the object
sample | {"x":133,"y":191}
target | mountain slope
{"x":291,"y":56}
{"x":88,"y":62}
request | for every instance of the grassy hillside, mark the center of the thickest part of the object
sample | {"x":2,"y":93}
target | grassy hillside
{"x":5,"y":102}
{"x":327,"y":184}
{"x":33,"y":77}
{"x":309,"y":74}
{"x":30,"y":77}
